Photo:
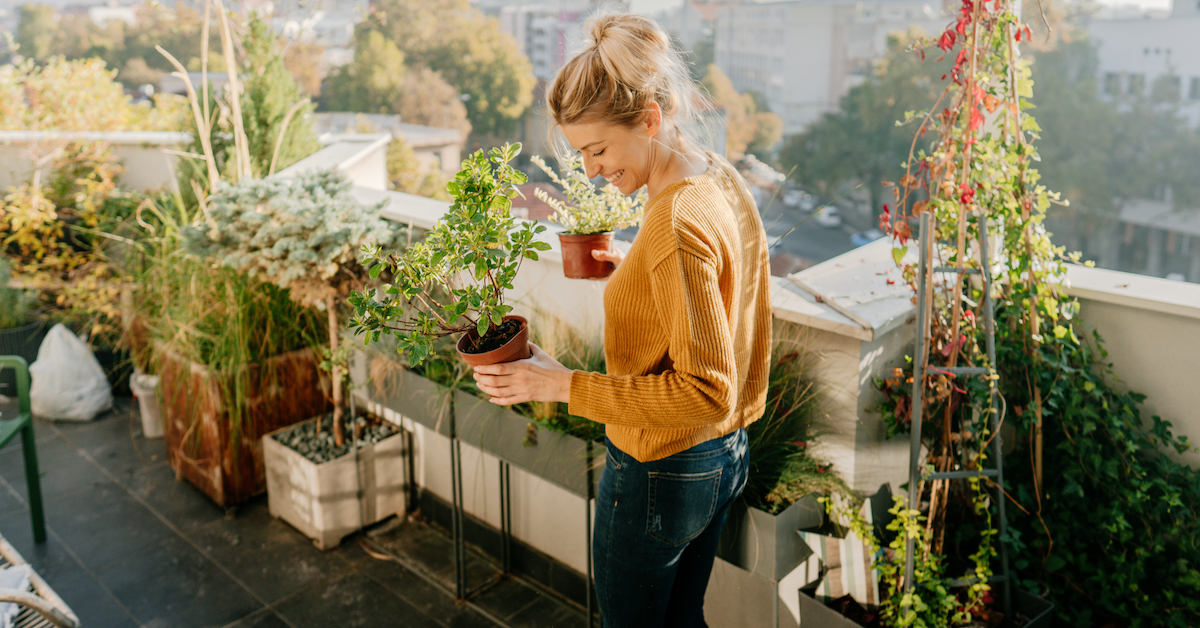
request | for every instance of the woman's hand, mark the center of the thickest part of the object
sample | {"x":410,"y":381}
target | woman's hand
{"x":612,"y":255}
{"x":537,"y":378}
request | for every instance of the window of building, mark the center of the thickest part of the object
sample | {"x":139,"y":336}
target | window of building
{"x":1112,"y":83}
{"x":1194,"y":91}
{"x":1137,"y":83}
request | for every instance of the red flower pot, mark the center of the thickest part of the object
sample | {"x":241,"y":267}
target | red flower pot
{"x":517,"y":348}
{"x":578,"y":262}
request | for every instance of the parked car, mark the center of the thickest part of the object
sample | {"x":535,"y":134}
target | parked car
{"x":828,"y":217}
{"x":865,"y":237}
{"x":799,"y":198}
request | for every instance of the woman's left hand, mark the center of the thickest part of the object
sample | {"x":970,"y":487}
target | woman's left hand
{"x":537,"y":378}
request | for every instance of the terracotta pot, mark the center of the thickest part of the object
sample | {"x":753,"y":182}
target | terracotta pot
{"x":578,"y":262}
{"x":515,"y":349}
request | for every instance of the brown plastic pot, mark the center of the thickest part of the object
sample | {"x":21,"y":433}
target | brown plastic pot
{"x":515,"y":349}
{"x":578,"y":262}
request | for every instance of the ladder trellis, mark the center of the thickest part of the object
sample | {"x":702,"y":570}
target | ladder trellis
{"x":925,"y":272}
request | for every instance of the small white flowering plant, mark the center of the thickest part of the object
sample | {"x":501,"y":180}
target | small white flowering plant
{"x":588,"y":210}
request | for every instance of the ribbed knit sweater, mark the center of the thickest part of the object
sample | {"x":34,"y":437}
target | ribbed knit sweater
{"x":687,"y":330}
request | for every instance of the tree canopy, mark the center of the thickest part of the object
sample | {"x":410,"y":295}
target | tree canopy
{"x":469,"y":51}
{"x":378,"y":80}
{"x":861,"y":141}
{"x":750,"y":127}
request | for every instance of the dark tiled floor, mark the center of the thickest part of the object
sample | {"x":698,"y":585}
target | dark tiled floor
{"x":130,"y":546}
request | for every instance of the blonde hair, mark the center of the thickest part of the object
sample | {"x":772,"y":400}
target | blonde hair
{"x":627,"y":64}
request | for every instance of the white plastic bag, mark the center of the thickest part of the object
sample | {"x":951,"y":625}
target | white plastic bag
{"x":68,"y":383}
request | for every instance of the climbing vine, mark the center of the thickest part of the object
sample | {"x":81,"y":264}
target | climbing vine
{"x":1097,"y":508}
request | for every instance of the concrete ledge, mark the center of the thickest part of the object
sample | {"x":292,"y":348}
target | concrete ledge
{"x":1135,"y":291}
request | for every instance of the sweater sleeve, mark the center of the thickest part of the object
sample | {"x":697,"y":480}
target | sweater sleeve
{"x":698,"y":387}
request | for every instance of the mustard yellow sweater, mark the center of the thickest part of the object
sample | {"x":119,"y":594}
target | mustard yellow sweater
{"x":687,"y":332}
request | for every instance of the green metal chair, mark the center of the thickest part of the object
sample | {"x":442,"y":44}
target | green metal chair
{"x":23,"y":425}
{"x":38,"y":606}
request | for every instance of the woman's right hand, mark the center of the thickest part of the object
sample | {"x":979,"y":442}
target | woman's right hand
{"x":612,"y":255}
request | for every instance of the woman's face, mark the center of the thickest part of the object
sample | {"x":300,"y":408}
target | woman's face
{"x":620,"y":154}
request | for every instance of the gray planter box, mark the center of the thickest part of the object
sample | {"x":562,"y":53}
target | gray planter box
{"x":558,"y":458}
{"x":769,"y":545}
{"x":323,"y":501}
{"x":403,"y":393}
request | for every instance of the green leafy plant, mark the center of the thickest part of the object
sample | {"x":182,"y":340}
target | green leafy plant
{"x":782,"y":467}
{"x":301,"y":234}
{"x":589,"y":211}
{"x":1101,"y":518}
{"x":454,"y":280}
{"x":16,"y":306}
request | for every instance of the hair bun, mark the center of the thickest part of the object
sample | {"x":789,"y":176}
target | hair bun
{"x":599,"y":27}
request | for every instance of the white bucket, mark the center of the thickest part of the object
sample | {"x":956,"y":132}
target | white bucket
{"x":145,"y":390}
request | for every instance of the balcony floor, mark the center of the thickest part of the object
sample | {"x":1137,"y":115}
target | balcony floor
{"x":130,"y":546}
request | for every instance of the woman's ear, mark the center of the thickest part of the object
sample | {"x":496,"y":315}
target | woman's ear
{"x":653,"y":120}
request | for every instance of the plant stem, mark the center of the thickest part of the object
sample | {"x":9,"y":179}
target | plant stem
{"x":339,"y":428}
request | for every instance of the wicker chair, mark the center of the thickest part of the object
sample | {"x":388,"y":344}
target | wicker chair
{"x":40,"y":605}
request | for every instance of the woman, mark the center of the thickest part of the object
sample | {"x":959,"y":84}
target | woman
{"x":687,"y":328}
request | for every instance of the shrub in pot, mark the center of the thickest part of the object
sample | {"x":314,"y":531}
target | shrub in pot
{"x":303,"y":235}
{"x":590,"y":217}
{"x":453,"y":282}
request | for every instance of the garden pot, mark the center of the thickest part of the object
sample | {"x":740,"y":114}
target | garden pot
{"x":145,"y":389}
{"x":396,"y":393}
{"x":517,"y":348}
{"x":769,"y":545}
{"x":559,"y":458}
{"x":330,"y":500}
{"x":203,"y":446}
{"x":578,"y":262}
{"x":23,"y":341}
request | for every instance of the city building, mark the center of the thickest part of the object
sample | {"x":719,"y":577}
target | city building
{"x":1137,"y":49}
{"x":804,"y":56}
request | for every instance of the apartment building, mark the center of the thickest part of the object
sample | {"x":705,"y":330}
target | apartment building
{"x":1136,"y":50}
{"x":803,"y":56}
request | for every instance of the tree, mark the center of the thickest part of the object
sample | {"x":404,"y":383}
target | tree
{"x":748,"y":128}
{"x":470,"y":52}
{"x":1103,"y":152}
{"x":405,"y":173}
{"x":861,"y":141}
{"x":379,"y":81}
{"x":35,"y":31}
{"x":271,"y":94}
{"x":372,"y":81}
{"x":304,"y":235}
{"x":428,"y":99}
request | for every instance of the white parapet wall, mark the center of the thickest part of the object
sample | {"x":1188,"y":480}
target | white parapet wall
{"x":1151,"y":330}
{"x":148,"y":159}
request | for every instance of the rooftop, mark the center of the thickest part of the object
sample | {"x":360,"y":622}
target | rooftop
{"x":131,"y":546}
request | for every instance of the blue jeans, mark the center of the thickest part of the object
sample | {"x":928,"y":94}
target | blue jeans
{"x":657,"y":528}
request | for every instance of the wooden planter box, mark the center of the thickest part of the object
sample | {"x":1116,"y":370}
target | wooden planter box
{"x":559,"y":458}
{"x":402,"y":394}
{"x":768,"y":545}
{"x":202,"y":446}
{"x":330,"y":500}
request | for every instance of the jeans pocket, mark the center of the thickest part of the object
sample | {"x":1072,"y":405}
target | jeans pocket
{"x":681,"y":505}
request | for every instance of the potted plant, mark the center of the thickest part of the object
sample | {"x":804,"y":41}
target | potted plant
{"x":20,"y":331}
{"x":784,"y":480}
{"x":454,"y":281}
{"x":590,"y":218}
{"x":302,"y":235}
{"x":542,"y":438}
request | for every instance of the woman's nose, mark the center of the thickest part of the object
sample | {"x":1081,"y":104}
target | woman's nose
{"x":591,"y":167}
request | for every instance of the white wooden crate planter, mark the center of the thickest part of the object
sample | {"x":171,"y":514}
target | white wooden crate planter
{"x":331,"y":500}
{"x":559,"y":458}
